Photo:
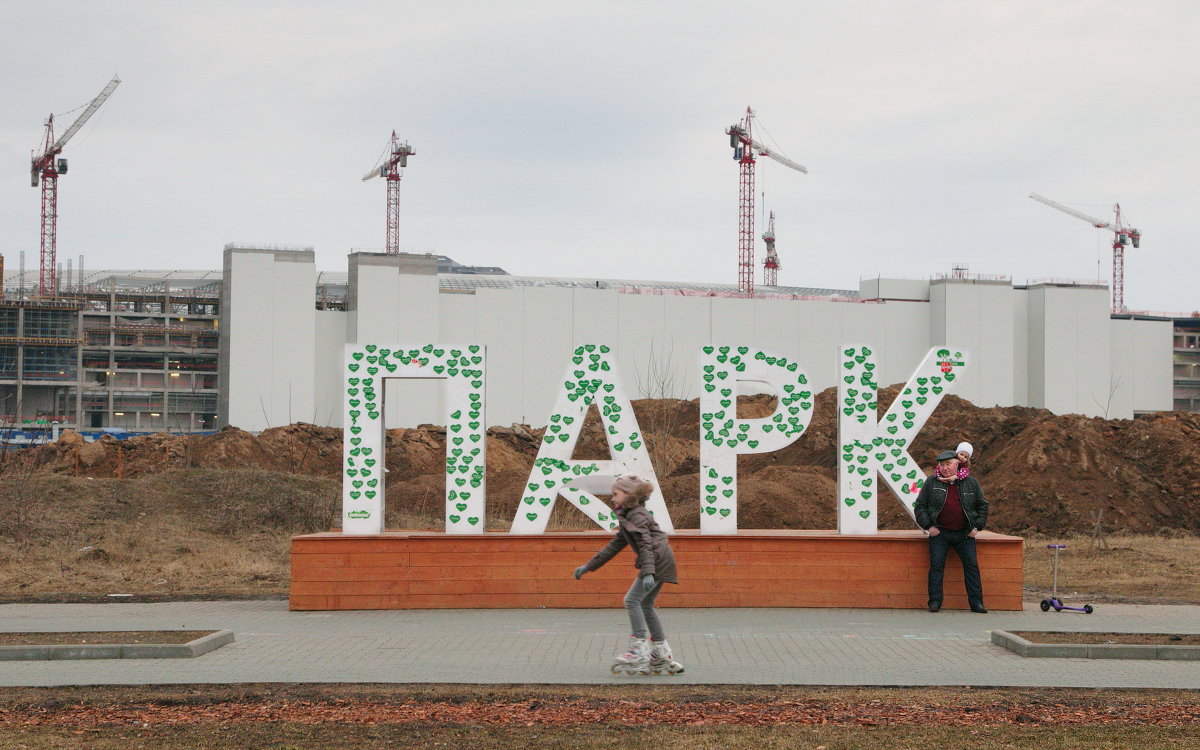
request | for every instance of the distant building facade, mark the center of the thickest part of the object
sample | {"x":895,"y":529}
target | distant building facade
{"x":259,"y":343}
{"x":1050,"y":344}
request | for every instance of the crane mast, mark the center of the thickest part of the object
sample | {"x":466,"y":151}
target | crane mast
{"x":395,"y":159}
{"x":771,"y":264}
{"x":741,"y":140}
{"x":45,"y":168}
{"x":1123,"y":235}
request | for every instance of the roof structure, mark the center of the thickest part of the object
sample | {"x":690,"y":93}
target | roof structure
{"x":335,"y":282}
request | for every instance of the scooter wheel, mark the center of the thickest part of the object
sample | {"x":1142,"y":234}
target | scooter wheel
{"x":1045,"y":606}
{"x":1087,"y":609}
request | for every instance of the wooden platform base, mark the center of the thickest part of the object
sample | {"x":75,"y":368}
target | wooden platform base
{"x":431,"y":570}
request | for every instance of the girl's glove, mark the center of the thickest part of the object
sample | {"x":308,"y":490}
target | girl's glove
{"x":647,"y":583}
{"x":580,"y":571}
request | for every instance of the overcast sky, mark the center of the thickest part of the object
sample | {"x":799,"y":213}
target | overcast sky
{"x":586,"y":138}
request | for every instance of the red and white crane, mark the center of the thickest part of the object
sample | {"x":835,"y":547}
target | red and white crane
{"x":395,"y":158}
{"x":1123,"y":235}
{"x":745,"y":148}
{"x":771,"y":264}
{"x":46,"y":167}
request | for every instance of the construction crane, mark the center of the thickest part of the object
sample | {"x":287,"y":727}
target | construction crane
{"x":745,"y":148}
{"x":394,"y":159}
{"x":46,"y":167}
{"x":771,"y":262}
{"x":1123,"y":235}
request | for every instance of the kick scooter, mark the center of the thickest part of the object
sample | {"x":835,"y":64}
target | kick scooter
{"x":1054,"y":601}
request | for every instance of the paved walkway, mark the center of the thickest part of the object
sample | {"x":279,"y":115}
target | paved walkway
{"x":746,"y":646}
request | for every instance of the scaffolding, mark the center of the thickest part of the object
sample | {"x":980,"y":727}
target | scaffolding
{"x":122,"y":352}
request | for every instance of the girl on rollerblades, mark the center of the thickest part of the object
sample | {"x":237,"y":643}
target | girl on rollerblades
{"x":656,"y":565}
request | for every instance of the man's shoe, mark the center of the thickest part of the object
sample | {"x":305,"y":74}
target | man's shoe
{"x":979,"y":609}
{"x":935,"y":606}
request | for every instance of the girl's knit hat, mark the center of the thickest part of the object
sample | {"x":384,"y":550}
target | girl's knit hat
{"x":965,"y":447}
{"x":627,"y":483}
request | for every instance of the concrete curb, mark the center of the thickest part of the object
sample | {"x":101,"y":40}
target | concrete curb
{"x":187,"y":650}
{"x":1023,"y":647}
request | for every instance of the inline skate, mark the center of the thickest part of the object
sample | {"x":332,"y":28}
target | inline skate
{"x":636,"y":660}
{"x":661,"y":659}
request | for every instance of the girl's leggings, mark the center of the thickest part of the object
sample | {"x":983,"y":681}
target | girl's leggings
{"x":640,"y":605}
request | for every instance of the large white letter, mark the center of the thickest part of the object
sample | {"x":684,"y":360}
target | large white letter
{"x":364,"y":447}
{"x":870,"y":448}
{"x":723,"y":436}
{"x":590,"y":377}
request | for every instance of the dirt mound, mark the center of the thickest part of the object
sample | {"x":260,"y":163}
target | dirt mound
{"x":1043,"y":473}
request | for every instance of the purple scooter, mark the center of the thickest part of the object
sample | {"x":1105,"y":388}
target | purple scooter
{"x":1054,"y":601}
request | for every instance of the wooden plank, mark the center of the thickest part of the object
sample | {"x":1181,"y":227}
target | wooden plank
{"x":688,"y":574}
{"x":757,"y":568}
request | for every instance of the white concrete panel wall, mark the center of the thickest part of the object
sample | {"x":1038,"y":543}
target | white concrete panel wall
{"x":456,"y":318}
{"x":819,"y":331}
{"x":1142,"y":376}
{"x":499,"y":319}
{"x":293,"y":345}
{"x":1121,"y":348}
{"x":1074,"y":366}
{"x":548,"y":343}
{"x":268,"y":321}
{"x":1048,"y":346}
{"x":688,"y":326}
{"x":905,"y":340}
{"x":777,"y":329}
{"x":897,"y":289}
{"x":1020,"y":353}
{"x":979,"y":316}
{"x":330,"y":352}
{"x":1153,"y":371}
{"x":1035,"y":338}
{"x":390,"y":307}
{"x":641,"y":334}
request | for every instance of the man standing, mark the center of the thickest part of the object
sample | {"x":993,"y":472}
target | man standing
{"x":953,"y":510}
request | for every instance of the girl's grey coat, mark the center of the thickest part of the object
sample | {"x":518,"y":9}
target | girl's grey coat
{"x":638,"y":531}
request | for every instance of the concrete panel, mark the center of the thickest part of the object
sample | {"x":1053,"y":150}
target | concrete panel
{"x":642,"y":335}
{"x":1035,"y":319}
{"x":894,"y":289}
{"x":1074,"y":366}
{"x":905,"y":340}
{"x":268,"y":330}
{"x":329,"y":351}
{"x":548,"y":323}
{"x":677,"y":374}
{"x":592,"y":316}
{"x":776,"y":329}
{"x":978,"y":315}
{"x":388,"y":304}
{"x":820,"y":334}
{"x":499,"y":320}
{"x":1152,"y":365}
{"x":1020,"y":354}
{"x":456,"y":318}
{"x":1141,"y":366}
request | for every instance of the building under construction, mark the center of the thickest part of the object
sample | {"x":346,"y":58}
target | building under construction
{"x":122,"y":350}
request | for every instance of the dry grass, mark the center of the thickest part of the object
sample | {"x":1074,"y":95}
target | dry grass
{"x":194,"y":532}
{"x":221,"y":533}
{"x":1144,"y":568}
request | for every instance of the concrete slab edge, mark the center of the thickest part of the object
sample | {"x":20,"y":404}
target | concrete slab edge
{"x":188,"y":650}
{"x":1024,"y":647}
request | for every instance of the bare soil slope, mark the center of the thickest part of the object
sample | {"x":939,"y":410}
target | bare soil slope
{"x":1043,"y":473}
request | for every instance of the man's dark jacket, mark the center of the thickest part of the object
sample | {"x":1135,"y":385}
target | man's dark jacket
{"x":932,"y":499}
